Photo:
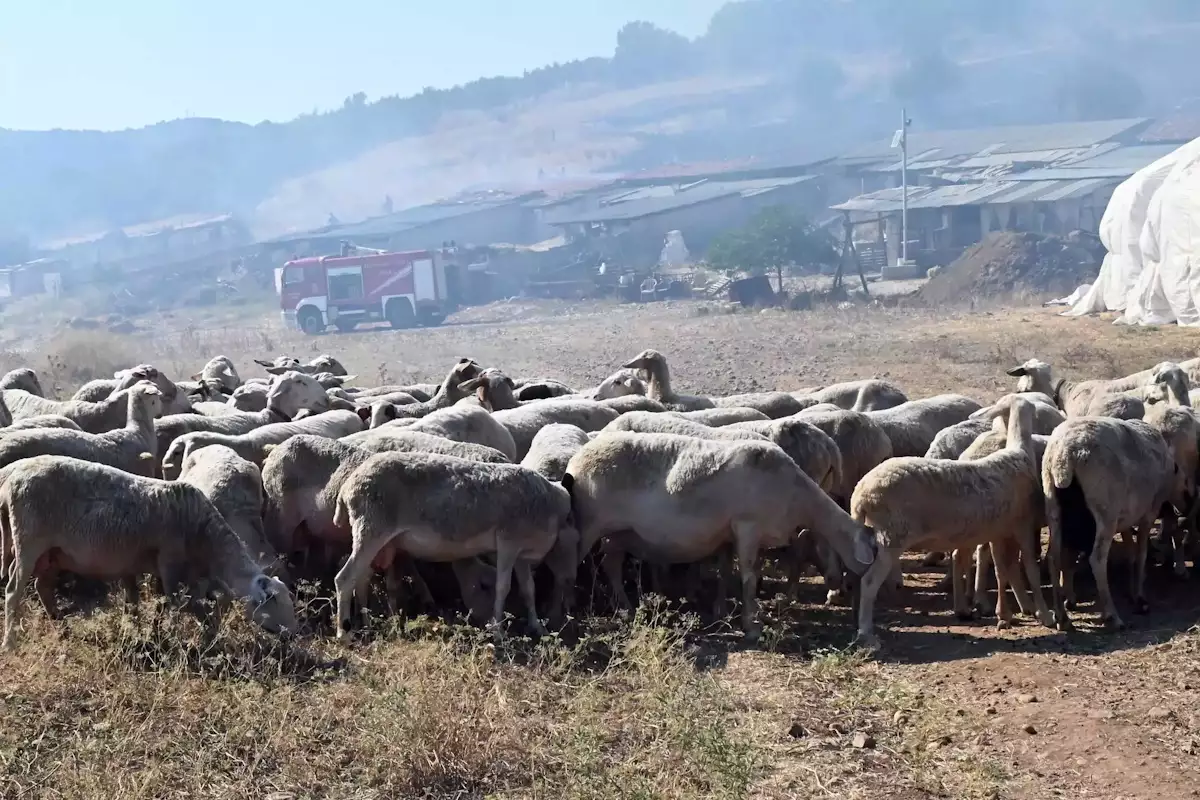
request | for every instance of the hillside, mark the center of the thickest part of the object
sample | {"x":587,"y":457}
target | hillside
{"x":770,"y":77}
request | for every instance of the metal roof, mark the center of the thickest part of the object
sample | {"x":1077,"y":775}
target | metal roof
{"x":395,"y":223}
{"x":645,"y":206}
{"x":1131,"y":158}
{"x":1007,"y":139}
{"x":972,"y":194}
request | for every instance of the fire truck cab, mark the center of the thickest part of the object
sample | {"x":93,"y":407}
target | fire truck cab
{"x":403,"y":289}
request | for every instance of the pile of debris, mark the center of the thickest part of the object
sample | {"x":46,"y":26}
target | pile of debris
{"x":1008,"y":263}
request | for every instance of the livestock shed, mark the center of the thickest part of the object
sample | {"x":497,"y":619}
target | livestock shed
{"x":635,"y":221}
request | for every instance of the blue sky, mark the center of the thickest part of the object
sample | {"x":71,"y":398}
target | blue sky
{"x":112,"y":64}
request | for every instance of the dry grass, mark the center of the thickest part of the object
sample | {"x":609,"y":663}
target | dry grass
{"x":653,"y":707}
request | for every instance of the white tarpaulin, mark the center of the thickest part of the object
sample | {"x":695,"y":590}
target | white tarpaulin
{"x":1152,"y":234}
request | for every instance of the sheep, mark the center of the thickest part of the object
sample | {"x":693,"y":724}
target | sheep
{"x":524,"y":422}
{"x":249,"y":397}
{"x":252,"y":445}
{"x":822,"y":408}
{"x":1100,"y":476}
{"x":143,"y":525}
{"x":458,"y":423}
{"x":23,"y":378}
{"x":219,"y":373}
{"x":174,"y":401}
{"x":321,"y":363}
{"x":1078,"y":399}
{"x":633,"y":402}
{"x":952,"y":441}
{"x":540,"y":389}
{"x":421,"y":391}
{"x":290,"y":394}
{"x":654,"y":365}
{"x":718,"y":417}
{"x":813,"y":450}
{"x":914,"y":502}
{"x":132,"y":448}
{"x":106,"y":415}
{"x":863,"y":395}
{"x":234,"y":486}
{"x":669,"y":498}
{"x":622,"y":383}
{"x":775,"y":405}
{"x":551,"y":449}
{"x":449,"y":393}
{"x":648,"y":422}
{"x":1046,"y":415}
{"x":912,"y":426}
{"x":457,"y":509}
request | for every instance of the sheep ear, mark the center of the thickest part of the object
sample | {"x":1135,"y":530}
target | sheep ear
{"x":197,"y":376}
{"x":262,"y":363}
{"x":471,"y":385}
{"x":1017,"y":372}
{"x":260,"y":588}
{"x":568,"y":481}
{"x":364,"y":413}
{"x":344,"y":379}
{"x":273,"y":370}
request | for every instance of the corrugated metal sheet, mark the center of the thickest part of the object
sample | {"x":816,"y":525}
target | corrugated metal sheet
{"x":1130,"y":158}
{"x":1008,"y":139}
{"x":973,"y":194}
{"x":701,"y":193}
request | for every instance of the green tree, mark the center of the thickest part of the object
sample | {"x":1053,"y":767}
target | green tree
{"x":775,"y":238}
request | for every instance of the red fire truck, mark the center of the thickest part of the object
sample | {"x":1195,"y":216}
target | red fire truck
{"x":403,"y":289}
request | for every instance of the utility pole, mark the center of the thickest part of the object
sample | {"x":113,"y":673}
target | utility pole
{"x":904,"y":123}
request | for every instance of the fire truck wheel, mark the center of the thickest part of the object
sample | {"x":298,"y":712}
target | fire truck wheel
{"x":400,"y":314}
{"x":431,"y":318}
{"x":310,"y":322}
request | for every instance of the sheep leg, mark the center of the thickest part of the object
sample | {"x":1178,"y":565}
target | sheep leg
{"x":868,"y":589}
{"x":1099,"y":563}
{"x":409,"y":566}
{"x":529,"y":595}
{"x":723,"y":566}
{"x":983,"y":564}
{"x":832,"y":572}
{"x":613,"y":564}
{"x":506,"y":559}
{"x":1003,"y":577}
{"x":1140,"y":606}
{"x":1054,"y":558}
{"x":19,"y":571}
{"x":129,"y":588}
{"x":1176,"y":536}
{"x":960,"y":559}
{"x":352,"y":574}
{"x":44,"y":583}
{"x":1027,"y":552}
{"x":469,"y":573}
{"x":745,"y":536}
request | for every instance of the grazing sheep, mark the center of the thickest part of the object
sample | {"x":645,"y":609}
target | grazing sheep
{"x":912,"y":426}
{"x":456,"y":509}
{"x":449,"y":393}
{"x":774,"y":405}
{"x":1101,"y":476}
{"x":253,"y":444}
{"x":551,"y":449}
{"x":671,"y":499}
{"x":919,"y":503}
{"x":106,"y":415}
{"x":864,"y":395}
{"x":457,"y":423}
{"x":142,"y":525}
{"x":719,"y":417}
{"x":633,"y":402}
{"x":289,"y":395}
{"x":23,"y":378}
{"x":234,"y":486}
{"x":654,"y":365}
{"x":524,"y":422}
{"x":132,"y":448}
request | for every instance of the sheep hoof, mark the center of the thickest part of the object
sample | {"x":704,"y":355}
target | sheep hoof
{"x":1063,"y":623}
{"x":1071,"y":605}
{"x":1004,"y":624}
{"x":868,"y":642}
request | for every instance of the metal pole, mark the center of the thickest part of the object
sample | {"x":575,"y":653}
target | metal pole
{"x":904,"y":185}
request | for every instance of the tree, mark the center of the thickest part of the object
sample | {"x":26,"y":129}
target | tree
{"x":646,"y":52}
{"x":775,"y":237}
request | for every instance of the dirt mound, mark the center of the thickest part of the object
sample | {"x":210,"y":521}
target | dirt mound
{"x":1010,"y":263}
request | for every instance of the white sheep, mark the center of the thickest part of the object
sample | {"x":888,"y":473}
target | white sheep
{"x":633,"y":402}
{"x":552,"y":447}
{"x":912,"y":426}
{"x":22,"y":378}
{"x":174,"y":401}
{"x":658,"y":375}
{"x":106,"y":415}
{"x":1078,"y":399}
{"x":234,"y":486}
{"x":455,"y":509}
{"x":59,"y":513}
{"x":449,"y":393}
{"x":458,"y":423}
{"x":524,"y":422}
{"x":253,"y":445}
{"x":862,"y":395}
{"x":132,"y":448}
{"x":677,"y":499}
{"x":719,"y":417}
{"x":931,"y":504}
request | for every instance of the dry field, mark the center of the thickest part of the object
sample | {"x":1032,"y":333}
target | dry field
{"x":663,"y":705}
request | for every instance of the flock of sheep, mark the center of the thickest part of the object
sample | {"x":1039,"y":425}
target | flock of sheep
{"x":222,"y":486}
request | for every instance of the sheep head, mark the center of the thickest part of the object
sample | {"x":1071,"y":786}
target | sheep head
{"x":294,"y":391}
{"x":621,"y":383}
{"x":269,"y":604}
{"x":1033,"y":376}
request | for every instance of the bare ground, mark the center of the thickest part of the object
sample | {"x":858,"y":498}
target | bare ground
{"x":113,"y":706}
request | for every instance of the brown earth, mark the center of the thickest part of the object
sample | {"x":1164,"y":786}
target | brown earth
{"x":947,"y":710}
{"x":1008,"y":264}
